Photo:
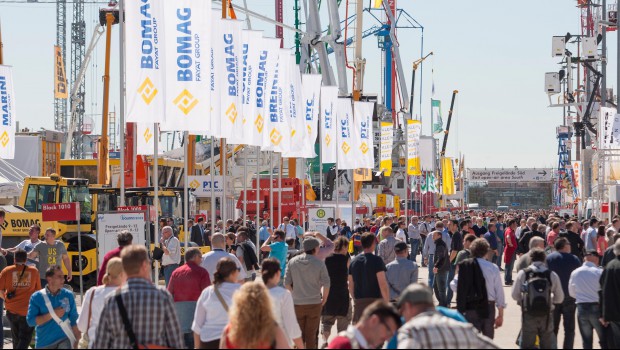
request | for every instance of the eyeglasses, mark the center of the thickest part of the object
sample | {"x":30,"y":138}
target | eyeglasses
{"x":390,"y":331}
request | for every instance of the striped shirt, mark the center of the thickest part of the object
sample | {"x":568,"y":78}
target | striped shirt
{"x":431,"y":330}
{"x":151,"y":313}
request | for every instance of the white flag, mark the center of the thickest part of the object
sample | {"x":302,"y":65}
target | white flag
{"x":270,"y":100}
{"x":278,"y":132}
{"x":347,"y":143}
{"x":215,"y":83}
{"x":145,"y":43}
{"x":8,"y":112}
{"x":188,"y":24}
{"x":329,"y":121}
{"x":252,"y":50}
{"x":310,"y":98}
{"x":414,"y":130}
{"x":296,"y":117}
{"x":145,"y":133}
{"x":262,"y":75}
{"x":228,"y":49}
{"x":364,"y":154}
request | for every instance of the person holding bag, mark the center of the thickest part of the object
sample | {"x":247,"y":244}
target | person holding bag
{"x":94,"y":301}
{"x":53,"y":312}
{"x":211,"y":315}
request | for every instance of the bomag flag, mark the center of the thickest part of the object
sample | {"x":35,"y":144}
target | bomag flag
{"x":145,"y":43}
{"x":447,"y":175}
{"x":7,"y":113}
{"x":298,"y":136}
{"x":60,"y":78}
{"x":414,"y":129}
{"x":187,"y":24}
{"x":251,"y":56}
{"x":228,"y":50}
{"x":264,"y":75}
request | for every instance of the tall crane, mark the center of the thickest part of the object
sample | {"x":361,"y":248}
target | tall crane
{"x":78,"y":50}
{"x":60,"y":104}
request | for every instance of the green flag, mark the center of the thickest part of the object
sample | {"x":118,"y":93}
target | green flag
{"x":436,"y":115}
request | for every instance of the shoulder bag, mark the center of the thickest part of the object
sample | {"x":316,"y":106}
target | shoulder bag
{"x":64,"y":325}
{"x":129,"y":329}
{"x":220,"y":297}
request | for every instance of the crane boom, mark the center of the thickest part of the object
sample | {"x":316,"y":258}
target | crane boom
{"x":447,"y":132}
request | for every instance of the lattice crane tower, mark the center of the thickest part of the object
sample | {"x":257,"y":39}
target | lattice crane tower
{"x":78,"y":49}
{"x":60,"y":105}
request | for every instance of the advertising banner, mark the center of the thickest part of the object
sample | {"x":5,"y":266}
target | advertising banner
{"x":328,"y":122}
{"x":228,"y":50}
{"x":318,"y":218}
{"x":347,"y":143}
{"x":387,"y":141}
{"x":60,"y":78}
{"x":414,"y":130}
{"x":365,"y":153}
{"x":310,"y":99}
{"x":8,"y":112}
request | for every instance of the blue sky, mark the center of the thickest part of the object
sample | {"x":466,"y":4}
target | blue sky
{"x":494,"y":52}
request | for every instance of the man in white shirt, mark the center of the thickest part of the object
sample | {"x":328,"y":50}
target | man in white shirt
{"x":288,"y":228}
{"x":27,"y":245}
{"x":584,"y":285}
{"x":172,"y":252}
{"x":210,"y":260}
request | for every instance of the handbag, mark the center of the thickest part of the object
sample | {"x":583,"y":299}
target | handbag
{"x":129,"y":329}
{"x":84,"y":341}
{"x":220,"y":298}
{"x":64,"y":325}
{"x":158,"y":253}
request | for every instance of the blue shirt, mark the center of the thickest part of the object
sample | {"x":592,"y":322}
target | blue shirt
{"x":279,"y":250}
{"x":563,"y":264}
{"x":591,"y":235}
{"x":500,"y":232}
{"x":492,"y":239}
{"x":50,"y":332}
{"x":263,"y":233}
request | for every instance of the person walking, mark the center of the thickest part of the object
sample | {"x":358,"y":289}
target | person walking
{"x":401,"y":272}
{"x":590,"y":238}
{"x":50,"y":253}
{"x":212,"y":258}
{"x":479,"y":290}
{"x":17,"y":284}
{"x":427,"y":328}
{"x":492,"y":239}
{"x":367,"y":281}
{"x":385,"y":250}
{"x":526,"y":236}
{"x":584,"y":286}
{"x":510,"y":251}
{"x":441,"y":269}
{"x":601,"y":240}
{"x":576,"y":243}
{"x":138,"y":313}
{"x":198,"y":233}
{"x":172,"y":252}
{"x":610,"y":303}
{"x":456,"y":246}
{"x":251,"y":322}
{"x":246,"y":253}
{"x":53,"y":313}
{"x":414,"y":238}
{"x":337,"y":309}
{"x":123,"y":239}
{"x":563,"y":263}
{"x":308,"y":280}
{"x":211,"y":316}
{"x":284,"y":308}
{"x":525,"y":260}
{"x":429,"y":251}
{"x":186,"y":284}
{"x":378,"y":324}
{"x":536,"y":290}
{"x":94,"y":300}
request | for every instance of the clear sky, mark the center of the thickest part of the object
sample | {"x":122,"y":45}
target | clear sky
{"x":494,"y":52}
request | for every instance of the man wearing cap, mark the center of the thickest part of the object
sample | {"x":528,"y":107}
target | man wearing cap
{"x":124,"y":239}
{"x":304,"y":277}
{"x":401,"y":272}
{"x":584,"y":286}
{"x":427,"y":328}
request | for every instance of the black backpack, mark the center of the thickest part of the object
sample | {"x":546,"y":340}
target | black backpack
{"x":249,"y":256}
{"x":537,"y":293}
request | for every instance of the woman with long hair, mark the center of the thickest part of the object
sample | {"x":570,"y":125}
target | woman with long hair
{"x":337,"y":309}
{"x":252,"y":324}
{"x":601,"y":241}
{"x":283,"y":307}
{"x":211,"y":314}
{"x":94,"y":301}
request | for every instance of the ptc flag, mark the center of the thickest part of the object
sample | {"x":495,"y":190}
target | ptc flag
{"x":144,"y":61}
{"x":414,"y":129}
{"x":436,"y":114}
{"x":310,"y":97}
{"x":8,"y":113}
{"x":365,"y":158}
{"x":329,"y":120}
{"x":447,"y":172}
{"x":387,"y":141}
{"x":347,"y":143}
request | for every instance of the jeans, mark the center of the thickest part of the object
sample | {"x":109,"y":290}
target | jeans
{"x":168,"y":270}
{"x":20,"y":331}
{"x":500,"y":254}
{"x":508,"y":269}
{"x":61,"y":344}
{"x":587,"y":318}
{"x":566,"y":310}
{"x":431,"y":275}
{"x":450,"y":278}
{"x":189,"y":340}
{"x":415,"y":247}
{"x":440,"y":286}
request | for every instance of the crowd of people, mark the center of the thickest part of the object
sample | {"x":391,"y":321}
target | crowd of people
{"x":285,"y":286}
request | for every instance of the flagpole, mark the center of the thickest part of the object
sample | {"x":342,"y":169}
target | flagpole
{"x":211,"y":172}
{"x":223,"y":161}
{"x":407,"y":174}
{"x":280,"y":170}
{"x":257,"y":224}
{"x":271,"y":222}
{"x":320,"y":160}
{"x":186,"y":191}
{"x":121,"y":46}
{"x":245,"y":184}
{"x":156,"y":185}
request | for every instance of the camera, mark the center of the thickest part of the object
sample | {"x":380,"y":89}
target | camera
{"x":10,"y":295}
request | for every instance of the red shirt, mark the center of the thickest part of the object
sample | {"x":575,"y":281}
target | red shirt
{"x":510,"y":236}
{"x":188,"y":281}
{"x":340,"y":342}
{"x":114,"y":253}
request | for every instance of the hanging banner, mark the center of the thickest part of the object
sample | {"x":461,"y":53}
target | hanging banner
{"x":262,"y":75}
{"x":414,"y":130}
{"x":436,"y":114}
{"x":577,"y":179}
{"x":145,"y":43}
{"x":215,"y":122}
{"x":447,"y":175}
{"x":364,"y":155}
{"x":432,"y":185}
{"x":228,"y":50}
{"x":146,"y":139}
{"x":60,"y":78}
{"x":296,"y":116}
{"x":188,"y":24}
{"x":310,"y":97}
{"x":278,"y":132}
{"x":252,"y":52}
{"x":610,"y":138}
{"x":8,"y":112}
{"x":346,"y":140}
{"x":328,"y":122}
{"x":387,"y":141}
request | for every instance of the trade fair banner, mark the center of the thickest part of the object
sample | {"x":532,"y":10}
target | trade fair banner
{"x":296,"y":117}
{"x":364,"y":154}
{"x":346,"y":140}
{"x":310,"y":97}
{"x":252,"y":52}
{"x":577,"y":178}
{"x":414,"y":130}
{"x":329,"y":120}
{"x":387,"y":141}
{"x":263,"y":76}
{"x":146,"y":139}
{"x":228,"y":49}
{"x":144,"y":57}
{"x":8,"y":112}
{"x":271,"y":96}
{"x":60,"y":78}
{"x":187,"y":23}
{"x":447,"y":176}
{"x":215,"y":121}
{"x":610,"y":138}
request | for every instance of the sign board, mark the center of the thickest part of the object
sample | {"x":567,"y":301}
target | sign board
{"x":516,"y":204}
{"x":203,"y":185}
{"x":110,"y":224}
{"x":381,"y":200}
{"x":317,"y":218}
{"x":397,"y":206}
{"x":510,"y":175}
{"x":151,"y":208}
{"x":61,"y":211}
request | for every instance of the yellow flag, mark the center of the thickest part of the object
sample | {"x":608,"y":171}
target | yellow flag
{"x":377,"y":4}
{"x":387,"y":142}
{"x":60,"y":79}
{"x":447,"y":170}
